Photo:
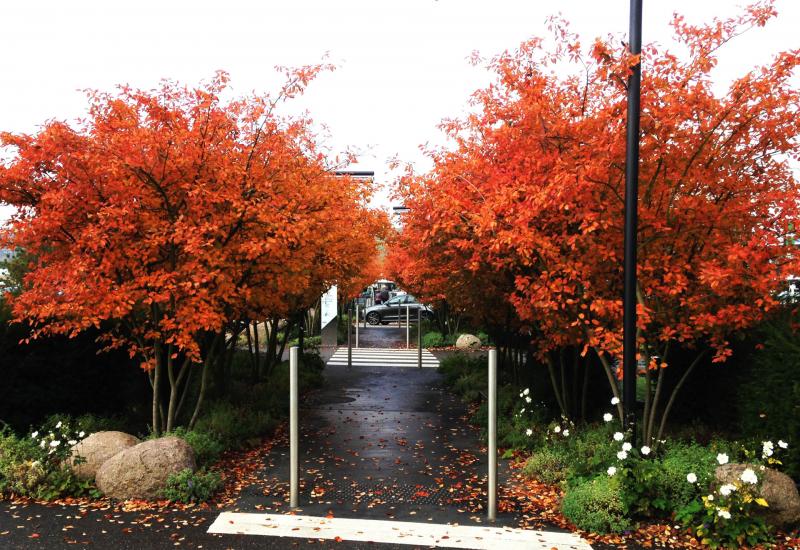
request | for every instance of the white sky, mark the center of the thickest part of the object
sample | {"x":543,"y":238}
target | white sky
{"x":402,"y":65}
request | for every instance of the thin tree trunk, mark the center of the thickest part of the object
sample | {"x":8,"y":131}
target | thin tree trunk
{"x":647,"y":402}
{"x":654,"y":404}
{"x":253,"y":365}
{"x":258,"y":351}
{"x":186,"y":387}
{"x":675,"y":391}
{"x":157,"y":391}
{"x":175,"y":384}
{"x":286,"y":332}
{"x":204,"y":380}
{"x":585,"y":393}
{"x":613,"y":383}
{"x":551,"y":369}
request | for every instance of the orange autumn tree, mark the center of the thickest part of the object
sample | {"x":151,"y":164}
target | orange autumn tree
{"x":533,"y":189}
{"x":169,"y":216}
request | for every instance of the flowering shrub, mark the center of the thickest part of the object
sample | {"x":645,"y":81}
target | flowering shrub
{"x":728,"y":516}
{"x":34,"y":466}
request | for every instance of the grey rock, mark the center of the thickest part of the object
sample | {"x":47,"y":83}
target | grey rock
{"x":91,"y":453}
{"x":142,"y":471}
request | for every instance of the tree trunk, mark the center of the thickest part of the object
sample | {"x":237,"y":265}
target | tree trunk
{"x":204,"y":380}
{"x":157,"y":390}
{"x":612,"y":382}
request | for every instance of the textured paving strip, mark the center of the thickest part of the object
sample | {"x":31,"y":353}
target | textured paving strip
{"x":394,"y":532}
{"x":383,"y":357}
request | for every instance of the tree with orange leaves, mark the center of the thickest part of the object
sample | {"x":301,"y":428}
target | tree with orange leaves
{"x":171,"y":216}
{"x":532,"y":194}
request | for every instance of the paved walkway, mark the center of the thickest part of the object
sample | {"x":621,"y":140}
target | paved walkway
{"x":381,"y":442}
{"x":388,"y":447}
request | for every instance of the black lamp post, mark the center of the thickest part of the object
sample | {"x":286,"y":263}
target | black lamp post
{"x":629,"y":362}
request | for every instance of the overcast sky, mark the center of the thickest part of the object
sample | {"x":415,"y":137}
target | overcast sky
{"x":403,"y":65}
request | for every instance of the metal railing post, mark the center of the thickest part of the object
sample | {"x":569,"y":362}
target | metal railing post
{"x":408,"y":327}
{"x":350,"y":337}
{"x":492,"y":492}
{"x":293,"y":436}
{"x":419,"y":337}
{"x":357,"y":321}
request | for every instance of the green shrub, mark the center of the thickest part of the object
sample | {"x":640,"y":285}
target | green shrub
{"x":678,"y":461}
{"x":768,"y":396}
{"x":207,"y":446}
{"x":596,"y":505}
{"x":188,"y":486}
{"x":484,"y":338}
{"x":234,"y":426}
{"x":30,"y":466}
{"x":432,"y":340}
{"x":590,"y":450}
{"x":547,"y":465}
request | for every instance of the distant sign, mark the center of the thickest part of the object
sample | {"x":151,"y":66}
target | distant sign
{"x":329,"y":303}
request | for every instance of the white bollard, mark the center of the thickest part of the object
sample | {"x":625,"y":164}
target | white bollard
{"x":408,"y":327}
{"x":357,"y":321}
{"x":293,"y":437}
{"x":492,"y":431}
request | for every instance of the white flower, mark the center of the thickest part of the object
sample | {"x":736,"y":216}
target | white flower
{"x":766,"y":449}
{"x":55,"y":443}
{"x":724,"y":514}
{"x":622,"y":455}
{"x":527,"y":399}
{"x":529,"y":432}
{"x":607,"y":417}
{"x":58,"y":425}
{"x":618,"y":436}
{"x":72,"y":442}
{"x":42,"y":443}
{"x":522,"y":410}
{"x":615,"y":400}
{"x":710,"y":498}
{"x":557,"y":429}
{"x":81,"y":434}
{"x":749,"y":476}
{"x":611,"y":470}
{"x":527,"y":391}
{"x":35,"y":435}
{"x":566,"y":433}
{"x":722,"y":458}
{"x":727,"y":489}
{"x":691,"y":477}
{"x":645,"y":450}
{"x":782,"y":444}
{"x":627,"y":446}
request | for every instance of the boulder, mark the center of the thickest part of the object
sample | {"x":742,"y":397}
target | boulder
{"x":96,"y":449}
{"x":142,"y":471}
{"x":468,"y":341}
{"x":777,"y":489}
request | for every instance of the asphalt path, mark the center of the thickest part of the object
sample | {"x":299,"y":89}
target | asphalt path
{"x":376,"y":443}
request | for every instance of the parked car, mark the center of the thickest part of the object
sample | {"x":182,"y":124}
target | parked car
{"x":383,"y":314}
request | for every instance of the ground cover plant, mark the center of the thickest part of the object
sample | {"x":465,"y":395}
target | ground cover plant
{"x":607,"y":486}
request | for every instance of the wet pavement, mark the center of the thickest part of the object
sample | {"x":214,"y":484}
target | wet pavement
{"x":376,"y":443}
